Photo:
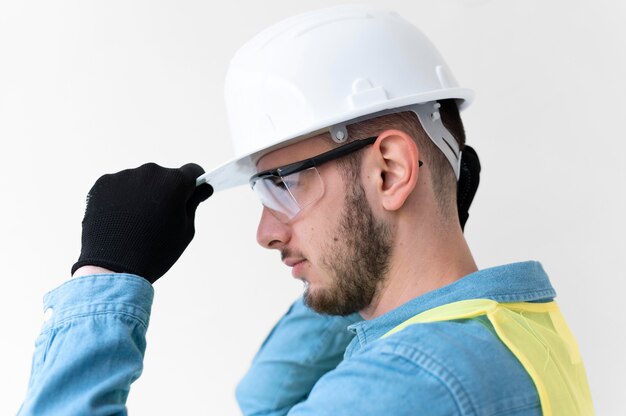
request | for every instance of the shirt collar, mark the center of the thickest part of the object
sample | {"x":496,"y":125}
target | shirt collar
{"x":516,"y":282}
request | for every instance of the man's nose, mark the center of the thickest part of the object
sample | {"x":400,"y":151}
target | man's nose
{"x":271,"y":233}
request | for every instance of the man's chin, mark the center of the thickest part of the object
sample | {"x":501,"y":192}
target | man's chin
{"x":325,"y":302}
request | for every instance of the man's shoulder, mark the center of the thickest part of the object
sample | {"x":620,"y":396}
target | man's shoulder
{"x":453,"y":344}
{"x":466,"y":356}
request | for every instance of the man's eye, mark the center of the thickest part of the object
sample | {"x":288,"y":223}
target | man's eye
{"x":278,"y":182}
{"x":291,"y":182}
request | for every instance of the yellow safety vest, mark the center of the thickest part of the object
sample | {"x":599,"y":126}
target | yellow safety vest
{"x":536,"y":333}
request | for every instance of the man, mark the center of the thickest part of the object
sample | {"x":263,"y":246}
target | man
{"x":346,"y":125}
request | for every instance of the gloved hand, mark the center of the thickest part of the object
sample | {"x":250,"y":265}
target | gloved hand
{"x":141,"y":220}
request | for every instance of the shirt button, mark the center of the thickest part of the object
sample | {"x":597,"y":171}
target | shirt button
{"x":48,"y":314}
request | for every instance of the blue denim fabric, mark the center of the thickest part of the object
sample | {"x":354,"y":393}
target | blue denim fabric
{"x":92,"y":349}
{"x":301,"y":348}
{"x":446,"y":368}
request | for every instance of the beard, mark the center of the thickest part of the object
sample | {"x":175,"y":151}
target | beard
{"x":357,"y":258}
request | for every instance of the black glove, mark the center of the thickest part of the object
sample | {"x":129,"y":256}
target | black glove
{"x":141,"y":220}
{"x":468,"y":183}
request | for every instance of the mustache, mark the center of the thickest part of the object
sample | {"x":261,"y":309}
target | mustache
{"x":284,"y":253}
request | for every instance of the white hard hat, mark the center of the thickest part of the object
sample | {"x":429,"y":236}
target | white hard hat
{"x":320,"y":70}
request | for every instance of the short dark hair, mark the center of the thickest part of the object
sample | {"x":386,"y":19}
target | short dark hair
{"x":442,"y":175}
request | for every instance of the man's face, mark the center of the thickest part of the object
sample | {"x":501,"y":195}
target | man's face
{"x":336,"y":246}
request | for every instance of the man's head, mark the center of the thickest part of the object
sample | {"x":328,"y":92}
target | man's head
{"x":342,"y":242}
{"x":302,"y":97}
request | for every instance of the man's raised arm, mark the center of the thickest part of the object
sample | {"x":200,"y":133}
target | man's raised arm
{"x":137,"y":224}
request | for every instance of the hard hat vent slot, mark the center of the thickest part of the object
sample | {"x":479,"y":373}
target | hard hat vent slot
{"x":364,"y":94}
{"x":443,"y":76}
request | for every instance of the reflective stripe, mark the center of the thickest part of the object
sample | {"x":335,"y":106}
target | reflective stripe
{"x":536,"y":333}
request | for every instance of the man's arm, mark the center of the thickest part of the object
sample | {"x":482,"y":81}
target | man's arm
{"x":302,"y":347}
{"x":137,"y":224}
{"x":91,"y":347}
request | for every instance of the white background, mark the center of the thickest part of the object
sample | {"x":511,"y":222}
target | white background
{"x":88,"y":88}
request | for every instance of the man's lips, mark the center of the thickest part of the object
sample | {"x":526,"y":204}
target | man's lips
{"x":290,"y":262}
{"x":296,"y":264}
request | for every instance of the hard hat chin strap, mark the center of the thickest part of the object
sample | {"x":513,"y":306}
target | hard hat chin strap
{"x":430,"y":119}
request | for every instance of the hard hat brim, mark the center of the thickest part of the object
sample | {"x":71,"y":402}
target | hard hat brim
{"x":237,"y":171}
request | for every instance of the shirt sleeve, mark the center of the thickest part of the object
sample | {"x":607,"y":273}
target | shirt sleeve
{"x":301,"y":348}
{"x":91,"y":346}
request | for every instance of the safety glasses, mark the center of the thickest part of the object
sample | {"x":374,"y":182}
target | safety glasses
{"x":288,"y":189}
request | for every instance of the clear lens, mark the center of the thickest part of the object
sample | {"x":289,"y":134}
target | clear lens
{"x":288,"y":195}
{"x":276,"y":197}
{"x":305,"y":186}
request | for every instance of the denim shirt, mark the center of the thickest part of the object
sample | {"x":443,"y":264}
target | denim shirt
{"x":91,"y":349}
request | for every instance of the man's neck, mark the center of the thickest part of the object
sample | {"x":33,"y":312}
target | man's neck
{"x":420,"y":265}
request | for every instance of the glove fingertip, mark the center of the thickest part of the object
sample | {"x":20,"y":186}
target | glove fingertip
{"x":191,"y":170}
{"x":203,"y":192}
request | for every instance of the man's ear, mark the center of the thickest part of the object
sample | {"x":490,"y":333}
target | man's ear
{"x":396,"y":168}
